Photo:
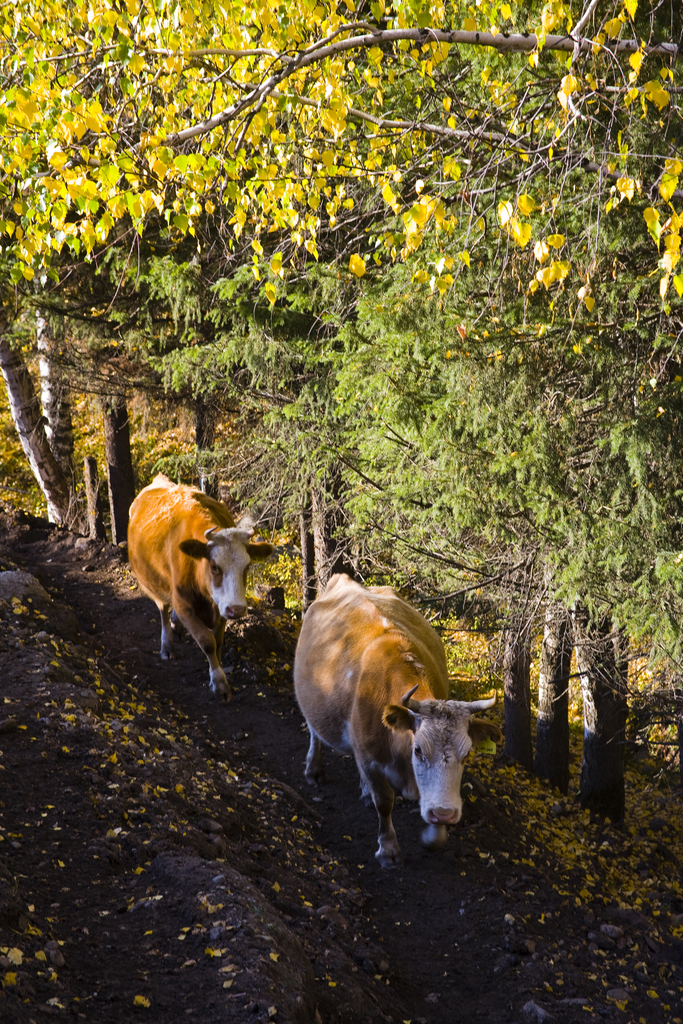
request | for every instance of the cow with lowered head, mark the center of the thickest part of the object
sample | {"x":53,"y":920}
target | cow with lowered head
{"x":190,"y":557}
{"x":371,"y":679}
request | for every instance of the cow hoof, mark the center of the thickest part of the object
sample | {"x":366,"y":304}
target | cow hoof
{"x":167,"y":656}
{"x":219,"y":686}
{"x":434,"y":837}
{"x":389,"y":859}
{"x":315,"y":776}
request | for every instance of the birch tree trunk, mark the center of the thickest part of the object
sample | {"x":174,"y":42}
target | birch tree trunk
{"x":552,"y":730}
{"x":604,"y":714}
{"x":516,"y":673}
{"x":119,"y":465}
{"x":96,"y":529}
{"x":55,"y":399}
{"x":30,"y":426}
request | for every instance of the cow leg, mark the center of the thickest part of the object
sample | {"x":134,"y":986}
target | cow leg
{"x":205,"y":638}
{"x":219,"y":633}
{"x":166,"y":632}
{"x":177,"y":626}
{"x":374,"y":782}
{"x":314,"y":773}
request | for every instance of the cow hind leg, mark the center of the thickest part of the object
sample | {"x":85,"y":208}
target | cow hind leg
{"x":177,"y":626}
{"x":166,"y":632}
{"x":314,"y":772}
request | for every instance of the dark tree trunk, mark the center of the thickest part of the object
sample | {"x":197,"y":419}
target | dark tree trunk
{"x":205,"y":438}
{"x":604,"y":714}
{"x":96,"y":530}
{"x":30,"y":426}
{"x":516,"y":673}
{"x":327,"y":517}
{"x":54,"y":396}
{"x":307,"y":559}
{"x":119,"y":465}
{"x":552,"y":728}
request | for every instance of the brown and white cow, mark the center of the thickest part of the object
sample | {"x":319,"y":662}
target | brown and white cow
{"x":189,"y":556}
{"x":362,"y":654}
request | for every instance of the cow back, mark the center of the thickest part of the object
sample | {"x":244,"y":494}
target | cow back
{"x":345,"y":643}
{"x":162,"y":516}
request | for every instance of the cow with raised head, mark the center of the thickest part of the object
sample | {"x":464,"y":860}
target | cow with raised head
{"x":190,"y":557}
{"x":371,"y":679}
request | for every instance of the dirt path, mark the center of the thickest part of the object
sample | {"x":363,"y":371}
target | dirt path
{"x":489,"y":928}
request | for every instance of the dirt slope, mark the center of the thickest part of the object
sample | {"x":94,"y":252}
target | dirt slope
{"x":162,"y":857}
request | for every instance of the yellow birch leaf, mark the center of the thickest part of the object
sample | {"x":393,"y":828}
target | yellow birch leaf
{"x":15,"y":956}
{"x":541,"y":251}
{"x":275,"y":957}
{"x":626,"y":186}
{"x":469,"y":25}
{"x":613,"y":27}
{"x":670,"y":259}
{"x":357,"y":265}
{"x":556,"y":241}
{"x":631,"y":6}
{"x":520,"y":232}
{"x":667,"y":186}
{"x":654,"y":92}
{"x":635,"y":60}
{"x":526,"y":204}
{"x":141,"y":1001}
{"x":271,"y":294}
{"x":504,"y":211}
{"x":678,"y":284}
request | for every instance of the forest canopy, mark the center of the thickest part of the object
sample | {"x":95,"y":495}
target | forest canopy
{"x":423,"y":259}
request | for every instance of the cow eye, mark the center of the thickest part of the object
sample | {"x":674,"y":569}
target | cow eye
{"x":215,"y":569}
{"x":418,"y":753}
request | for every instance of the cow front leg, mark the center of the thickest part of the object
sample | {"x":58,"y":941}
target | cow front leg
{"x":314,"y":773}
{"x":205,"y":638}
{"x":166,"y":632}
{"x":219,"y":633}
{"x":374,"y":782}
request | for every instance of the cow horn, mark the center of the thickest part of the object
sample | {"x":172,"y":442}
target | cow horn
{"x":209,"y":533}
{"x":412,"y":705}
{"x":481,"y":705}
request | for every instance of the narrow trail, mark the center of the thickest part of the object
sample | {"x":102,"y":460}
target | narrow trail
{"x":479,"y":930}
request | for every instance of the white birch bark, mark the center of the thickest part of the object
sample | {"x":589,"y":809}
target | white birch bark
{"x":30,"y":426}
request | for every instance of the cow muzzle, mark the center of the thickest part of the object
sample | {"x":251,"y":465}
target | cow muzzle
{"x":443,"y":815}
{"x":235,"y":611}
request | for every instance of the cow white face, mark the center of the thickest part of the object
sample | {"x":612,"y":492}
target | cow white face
{"x":443,"y":733}
{"x":229,"y":560}
{"x":229,"y":555}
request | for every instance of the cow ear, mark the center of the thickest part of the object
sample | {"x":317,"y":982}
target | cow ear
{"x":480,"y":730}
{"x":399,"y":718}
{"x":194,"y":548}
{"x":259,"y":552}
